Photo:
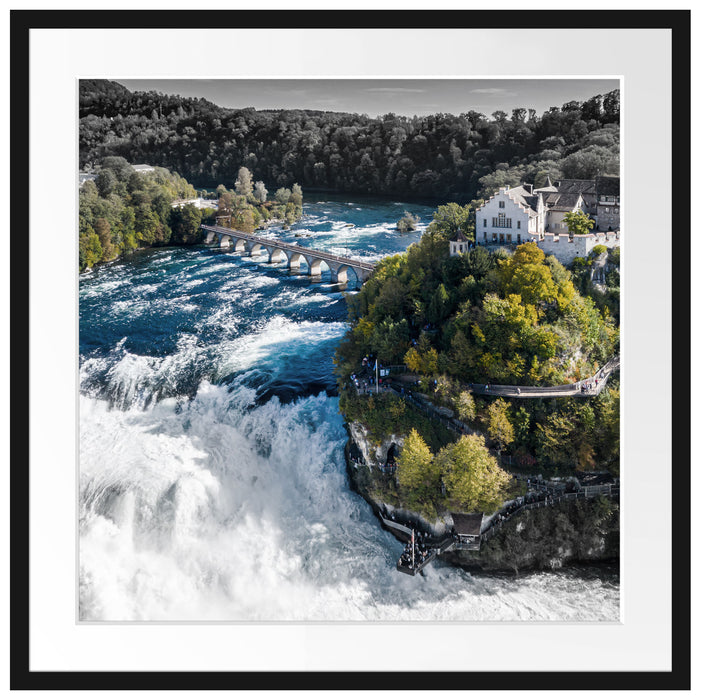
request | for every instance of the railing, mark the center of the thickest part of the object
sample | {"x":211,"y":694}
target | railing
{"x":396,"y":526}
{"x":547,"y":502}
{"x":599,"y":378}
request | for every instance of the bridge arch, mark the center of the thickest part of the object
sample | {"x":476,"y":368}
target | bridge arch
{"x":314,"y":265}
{"x":256,"y":249}
{"x":342,"y":274}
{"x":294,"y":259}
{"x":239,"y":245}
{"x":275,"y":254}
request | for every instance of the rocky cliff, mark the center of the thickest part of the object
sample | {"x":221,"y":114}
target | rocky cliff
{"x":579,"y":532}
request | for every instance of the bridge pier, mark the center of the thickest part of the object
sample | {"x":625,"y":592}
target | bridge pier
{"x":314,"y":267}
{"x":293,"y":261}
{"x":254,"y":248}
{"x":276,"y":255}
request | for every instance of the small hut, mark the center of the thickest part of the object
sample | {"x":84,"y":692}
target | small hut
{"x":467,"y":528}
{"x":459,"y":243}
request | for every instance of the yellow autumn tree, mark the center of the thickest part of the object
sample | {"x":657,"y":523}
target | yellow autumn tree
{"x":472,"y":476}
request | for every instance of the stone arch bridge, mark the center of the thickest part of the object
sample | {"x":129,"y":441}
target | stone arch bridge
{"x":279,"y":251}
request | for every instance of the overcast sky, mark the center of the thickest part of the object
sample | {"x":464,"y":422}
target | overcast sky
{"x":376,"y":97}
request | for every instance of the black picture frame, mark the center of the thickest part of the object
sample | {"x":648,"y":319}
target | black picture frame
{"x":22,"y":677}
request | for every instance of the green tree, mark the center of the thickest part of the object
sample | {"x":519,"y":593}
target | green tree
{"x":525,"y":273}
{"x":416,"y":472}
{"x":296,"y":197}
{"x":465,"y":406}
{"x":89,"y":249}
{"x":472,"y":477}
{"x":185,"y":225}
{"x":553,"y":437}
{"x":439,"y":305}
{"x":105,"y":182}
{"x":407,"y":222}
{"x":521,"y":422}
{"x":499,"y":425}
{"x":448,"y":218}
{"x":102,"y":229}
{"x":390,"y":340}
{"x":578,"y":222}
{"x":282,"y":195}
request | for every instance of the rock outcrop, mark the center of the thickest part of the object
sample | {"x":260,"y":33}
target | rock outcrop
{"x":582,"y":532}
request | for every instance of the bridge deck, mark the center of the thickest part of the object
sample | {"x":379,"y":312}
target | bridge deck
{"x":292,"y":247}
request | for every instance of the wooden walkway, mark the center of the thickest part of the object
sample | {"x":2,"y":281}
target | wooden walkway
{"x":591,"y":386}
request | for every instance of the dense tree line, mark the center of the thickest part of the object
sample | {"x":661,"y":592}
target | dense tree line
{"x":122,"y":210}
{"x":500,"y":317}
{"x":442,"y":156}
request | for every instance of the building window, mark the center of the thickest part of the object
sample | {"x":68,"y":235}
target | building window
{"x":509,"y":238}
{"x":518,"y":224}
{"x":484,"y":223}
{"x":518,"y":238}
{"x":501,"y":204}
{"x":501,"y":221}
{"x":485,"y":235}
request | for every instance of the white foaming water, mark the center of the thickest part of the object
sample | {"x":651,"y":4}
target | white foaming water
{"x":214,"y":512}
{"x":278,"y":337}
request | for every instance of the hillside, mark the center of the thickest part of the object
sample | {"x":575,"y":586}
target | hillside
{"x":442,"y":156}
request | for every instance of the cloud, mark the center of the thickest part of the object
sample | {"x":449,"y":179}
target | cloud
{"x":393,"y":89}
{"x":492,"y":91}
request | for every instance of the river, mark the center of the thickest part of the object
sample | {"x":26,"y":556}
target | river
{"x":212,"y":475}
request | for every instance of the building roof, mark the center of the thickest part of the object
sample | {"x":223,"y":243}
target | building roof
{"x":607,"y":184}
{"x":467,"y":523}
{"x":566,"y":202}
{"x":523,"y":197}
{"x":548,"y":186}
{"x":460,"y":237}
{"x":576,"y":186}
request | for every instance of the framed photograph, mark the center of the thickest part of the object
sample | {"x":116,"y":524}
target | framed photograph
{"x":340,"y":369}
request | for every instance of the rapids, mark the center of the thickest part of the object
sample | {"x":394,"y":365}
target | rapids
{"x":212,"y":476}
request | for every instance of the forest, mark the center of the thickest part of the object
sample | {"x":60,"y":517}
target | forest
{"x":123,"y":210}
{"x":437,"y":157}
{"x":499,"y":317}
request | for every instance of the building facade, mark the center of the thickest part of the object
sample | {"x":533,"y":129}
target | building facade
{"x":515,"y":215}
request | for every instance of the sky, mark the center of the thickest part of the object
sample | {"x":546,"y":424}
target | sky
{"x":375,"y":97}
